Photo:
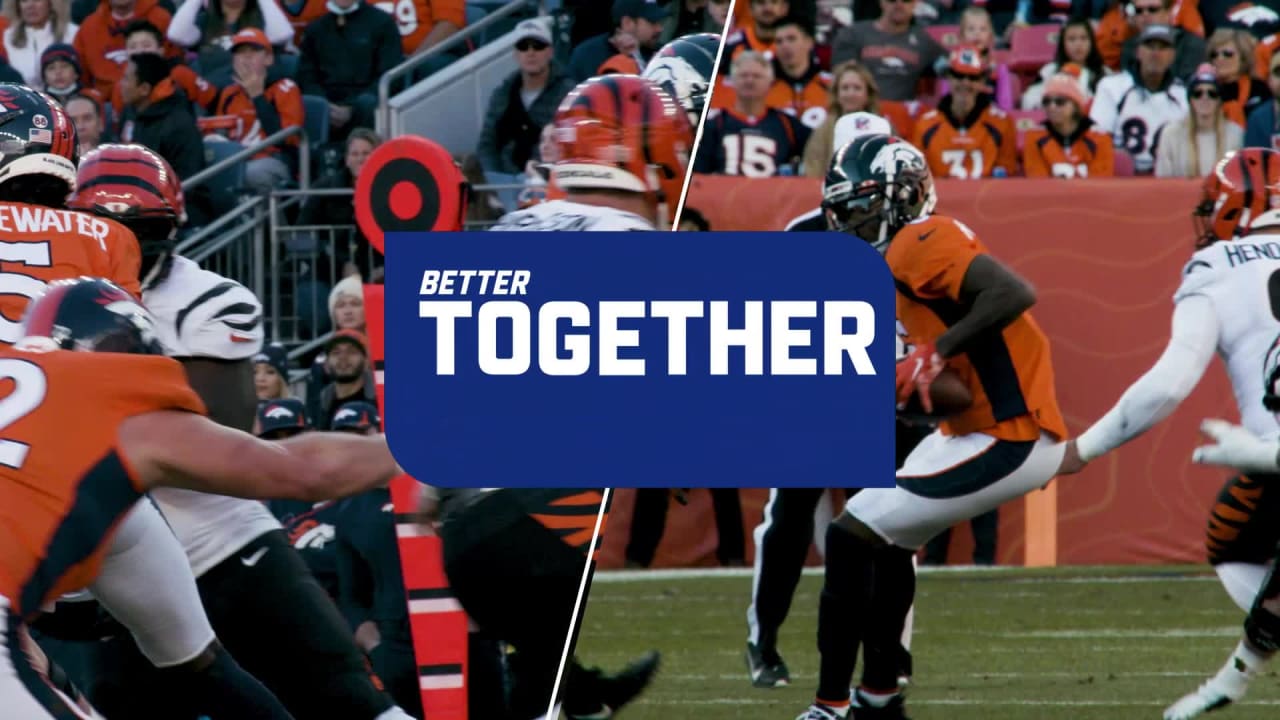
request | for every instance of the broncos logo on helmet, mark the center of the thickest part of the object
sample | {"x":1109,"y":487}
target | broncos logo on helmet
{"x":684,"y":68}
{"x":137,"y":188}
{"x":91,"y":315}
{"x":622,"y":133}
{"x":875,"y":185}
{"x":1240,"y":195}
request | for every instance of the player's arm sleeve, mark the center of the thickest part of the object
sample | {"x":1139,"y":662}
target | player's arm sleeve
{"x":1156,"y":394}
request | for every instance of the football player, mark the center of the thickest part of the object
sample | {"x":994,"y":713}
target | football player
{"x":37,"y":174}
{"x":624,"y":151}
{"x":298,"y":644}
{"x":1229,"y":303}
{"x":782,"y":538}
{"x":64,"y":497}
{"x":964,"y":310}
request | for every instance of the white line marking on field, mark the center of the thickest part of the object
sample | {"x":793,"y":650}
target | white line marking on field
{"x":980,"y":572}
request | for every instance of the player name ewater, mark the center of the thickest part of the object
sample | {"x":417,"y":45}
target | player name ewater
{"x":640,"y":337}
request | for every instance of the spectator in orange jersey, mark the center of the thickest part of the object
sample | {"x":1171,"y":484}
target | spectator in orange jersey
{"x":1188,"y":47}
{"x":967,"y":137}
{"x":756,"y":35}
{"x":1124,"y":20}
{"x":265,"y":105}
{"x":60,"y":74}
{"x":1231,"y":53}
{"x":852,"y":90}
{"x":86,"y":115}
{"x":424,"y":24}
{"x":1068,"y":146}
{"x":143,"y":37}
{"x":800,"y":87}
{"x":100,"y":40}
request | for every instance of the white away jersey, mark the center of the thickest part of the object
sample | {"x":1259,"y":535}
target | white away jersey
{"x":564,"y":215}
{"x":202,"y":314}
{"x":1135,"y":116}
{"x":1242,"y":279}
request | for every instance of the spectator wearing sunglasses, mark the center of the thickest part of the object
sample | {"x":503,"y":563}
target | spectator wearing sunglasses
{"x":524,"y":103}
{"x":1264,"y":125}
{"x":1188,"y":48}
{"x":1127,"y":18}
{"x":1192,"y":146}
{"x":1067,"y":145}
{"x":967,"y":137}
{"x":1231,"y":54}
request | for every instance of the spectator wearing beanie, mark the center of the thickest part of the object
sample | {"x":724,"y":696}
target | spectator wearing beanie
{"x":523,"y":104}
{"x":271,"y":372}
{"x":1067,"y":145}
{"x":35,"y":25}
{"x":100,"y":40}
{"x":344,"y":53}
{"x":60,"y":74}
{"x":1192,"y":145}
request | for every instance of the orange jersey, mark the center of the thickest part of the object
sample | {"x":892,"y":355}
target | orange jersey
{"x":1114,"y":29}
{"x":197,"y":89}
{"x":1087,"y":153}
{"x":805,"y":98}
{"x":971,"y":149}
{"x":1009,"y":375}
{"x":282,"y":95}
{"x":62,"y":493}
{"x":416,"y":18}
{"x":42,"y":245}
{"x":301,"y":13}
{"x":100,"y":43}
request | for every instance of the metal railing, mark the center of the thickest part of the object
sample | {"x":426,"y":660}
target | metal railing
{"x":304,"y":158}
{"x":383,"y":120}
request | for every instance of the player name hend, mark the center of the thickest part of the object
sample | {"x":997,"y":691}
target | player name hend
{"x":562,"y":338}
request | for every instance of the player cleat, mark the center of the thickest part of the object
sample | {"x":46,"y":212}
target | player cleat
{"x":767,"y":668}
{"x":616,"y":691}
{"x":864,"y":710}
{"x":818,"y":711}
{"x":1207,"y":698}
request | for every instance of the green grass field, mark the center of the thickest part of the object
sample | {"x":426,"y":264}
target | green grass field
{"x":1078,"y":643}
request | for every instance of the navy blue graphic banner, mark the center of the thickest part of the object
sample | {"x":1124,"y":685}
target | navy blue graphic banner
{"x":575,"y":359}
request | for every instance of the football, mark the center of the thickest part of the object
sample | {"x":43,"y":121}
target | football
{"x":949,"y":395}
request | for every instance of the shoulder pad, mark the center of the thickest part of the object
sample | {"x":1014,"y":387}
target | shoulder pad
{"x":1198,"y":275}
{"x":202,"y":314}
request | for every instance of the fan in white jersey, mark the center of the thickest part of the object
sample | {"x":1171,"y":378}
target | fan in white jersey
{"x":237,"y":550}
{"x":1136,"y":105}
{"x":1228,"y":302}
{"x":624,"y":152}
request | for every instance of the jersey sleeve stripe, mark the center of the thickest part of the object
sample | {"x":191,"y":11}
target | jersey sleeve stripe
{"x":213,"y":292}
{"x":103,"y":496}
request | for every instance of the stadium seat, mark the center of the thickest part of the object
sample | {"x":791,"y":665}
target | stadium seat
{"x":1124,"y":164}
{"x":1023,"y":121}
{"x":316,"y":118}
{"x":1031,"y":48}
{"x":287,"y":63}
{"x":948,"y":36}
{"x":224,"y":187}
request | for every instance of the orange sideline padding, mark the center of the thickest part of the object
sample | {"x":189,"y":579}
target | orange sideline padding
{"x":1105,"y":256}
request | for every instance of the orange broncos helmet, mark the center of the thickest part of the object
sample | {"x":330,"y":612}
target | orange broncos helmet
{"x":622,"y":132}
{"x":1240,"y":195}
